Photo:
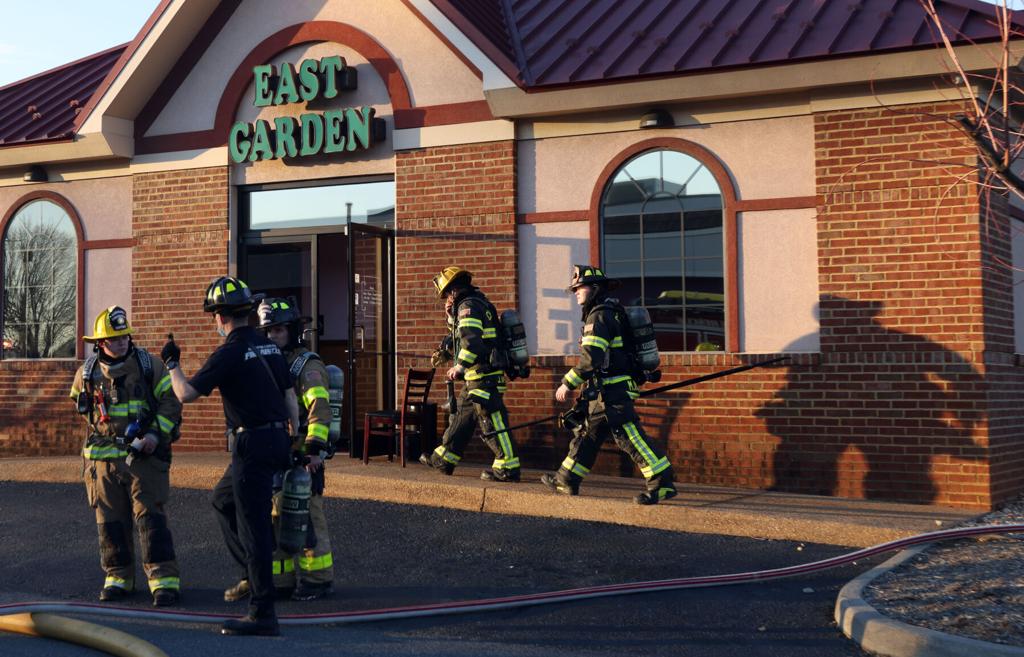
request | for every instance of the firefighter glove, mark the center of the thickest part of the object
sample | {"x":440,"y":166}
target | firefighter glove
{"x":170,"y":354}
{"x":440,"y":357}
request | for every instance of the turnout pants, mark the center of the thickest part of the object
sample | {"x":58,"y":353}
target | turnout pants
{"x":613,"y":414}
{"x":315,"y":564}
{"x":242,"y":500}
{"x":133,"y":496}
{"x":483,"y":407}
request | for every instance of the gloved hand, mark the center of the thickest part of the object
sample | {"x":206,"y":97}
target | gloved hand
{"x":440,"y":357}
{"x":171,"y":353}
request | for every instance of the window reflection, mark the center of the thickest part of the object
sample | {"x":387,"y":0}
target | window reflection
{"x":371,"y":203}
{"x":661,"y":231}
{"x":40,"y":284}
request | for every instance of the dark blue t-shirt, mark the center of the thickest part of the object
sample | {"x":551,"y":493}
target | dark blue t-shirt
{"x":252,"y":397}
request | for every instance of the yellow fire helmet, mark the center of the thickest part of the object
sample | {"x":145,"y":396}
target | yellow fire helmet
{"x":448,"y":276}
{"x":111,"y":323}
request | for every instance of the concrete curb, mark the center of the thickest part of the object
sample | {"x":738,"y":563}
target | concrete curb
{"x":881,"y":635}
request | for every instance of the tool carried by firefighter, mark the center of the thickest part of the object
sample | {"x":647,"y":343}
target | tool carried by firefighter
{"x":654,"y":391}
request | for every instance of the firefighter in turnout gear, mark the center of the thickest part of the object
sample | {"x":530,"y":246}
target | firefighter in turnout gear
{"x":280,"y":320}
{"x":125,"y":396}
{"x":473,"y":322}
{"x":607,"y":390}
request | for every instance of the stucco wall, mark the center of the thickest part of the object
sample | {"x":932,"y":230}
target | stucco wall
{"x":108,"y":282}
{"x":768,"y":158}
{"x":778,"y":281}
{"x":434,"y":74}
{"x":547,"y":253}
{"x":104,"y":205}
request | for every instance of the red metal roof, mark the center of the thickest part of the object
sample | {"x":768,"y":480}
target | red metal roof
{"x":543,"y":43}
{"x":44,"y":106}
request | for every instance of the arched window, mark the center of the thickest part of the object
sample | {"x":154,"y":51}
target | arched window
{"x":661,"y":236}
{"x":40,"y":283}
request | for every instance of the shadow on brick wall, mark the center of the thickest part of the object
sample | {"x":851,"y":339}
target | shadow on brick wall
{"x":886,"y":415}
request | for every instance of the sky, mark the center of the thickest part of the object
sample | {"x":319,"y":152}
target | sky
{"x":37,"y":35}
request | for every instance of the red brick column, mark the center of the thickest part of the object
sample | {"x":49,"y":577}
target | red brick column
{"x":896,"y":408}
{"x":455,"y":206}
{"x":180,"y":224}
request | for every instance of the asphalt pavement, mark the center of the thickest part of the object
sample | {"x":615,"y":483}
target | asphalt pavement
{"x":443,"y":548}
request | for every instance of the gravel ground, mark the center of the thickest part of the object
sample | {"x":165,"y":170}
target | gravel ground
{"x":970,"y":587}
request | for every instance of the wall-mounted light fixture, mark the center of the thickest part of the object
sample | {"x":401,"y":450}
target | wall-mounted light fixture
{"x":656,"y":118}
{"x":35,"y":173}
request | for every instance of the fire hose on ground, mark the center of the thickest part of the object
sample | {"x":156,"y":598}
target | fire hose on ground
{"x":515,"y":601}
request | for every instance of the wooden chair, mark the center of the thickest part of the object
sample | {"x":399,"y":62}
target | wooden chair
{"x":407,"y":419}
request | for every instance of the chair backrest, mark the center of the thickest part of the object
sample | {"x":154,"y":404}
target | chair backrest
{"x":417,"y":387}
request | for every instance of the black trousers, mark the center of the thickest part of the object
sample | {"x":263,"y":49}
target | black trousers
{"x":483,"y":407}
{"x":243,"y":500}
{"x":612,"y":415}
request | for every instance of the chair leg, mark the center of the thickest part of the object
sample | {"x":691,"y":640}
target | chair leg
{"x":401,"y":443}
{"x":366,"y":440}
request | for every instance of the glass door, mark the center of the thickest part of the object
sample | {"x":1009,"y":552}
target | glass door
{"x":283,"y":267}
{"x":371,"y":359}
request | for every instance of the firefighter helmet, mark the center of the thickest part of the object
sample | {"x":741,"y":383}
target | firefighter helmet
{"x":450,"y":275}
{"x":275,"y":312}
{"x":111,"y":323}
{"x":588,"y":275}
{"x":228,"y":294}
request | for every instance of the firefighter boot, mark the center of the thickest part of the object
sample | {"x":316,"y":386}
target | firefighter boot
{"x":432,"y":461}
{"x":251,"y":625}
{"x":113,"y":593}
{"x":306,"y":591}
{"x":501,"y":474}
{"x":165,"y":597}
{"x":237,"y":592}
{"x":649,"y":497}
{"x":556,"y":485}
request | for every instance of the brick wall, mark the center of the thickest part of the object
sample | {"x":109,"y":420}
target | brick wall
{"x":180,"y":224}
{"x":1004,"y":374}
{"x":37,"y":418}
{"x":455,"y":206}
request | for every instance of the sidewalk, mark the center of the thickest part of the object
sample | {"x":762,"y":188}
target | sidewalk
{"x":702,"y":509}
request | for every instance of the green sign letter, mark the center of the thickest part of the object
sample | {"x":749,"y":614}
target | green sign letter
{"x":285,"y":127}
{"x":312,"y":129}
{"x":262,"y":148}
{"x":334,"y":121}
{"x":263,"y":97}
{"x":358,"y":123}
{"x":238,"y":145}
{"x":286,"y":91}
{"x":309,"y":81}
{"x":330,"y":67}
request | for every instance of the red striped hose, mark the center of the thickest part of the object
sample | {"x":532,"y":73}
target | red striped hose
{"x":528,"y":600}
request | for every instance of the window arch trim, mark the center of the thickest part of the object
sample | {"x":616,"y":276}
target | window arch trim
{"x":729,"y":203}
{"x":76,"y":221}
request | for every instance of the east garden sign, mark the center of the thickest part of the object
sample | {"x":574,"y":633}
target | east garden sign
{"x":331,"y":131}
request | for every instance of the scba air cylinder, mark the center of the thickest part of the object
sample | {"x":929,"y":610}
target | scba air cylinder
{"x":645,"y":346}
{"x":294,"y":516}
{"x":515,"y":343}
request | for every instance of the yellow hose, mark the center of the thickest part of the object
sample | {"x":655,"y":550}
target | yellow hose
{"x":98,"y":637}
